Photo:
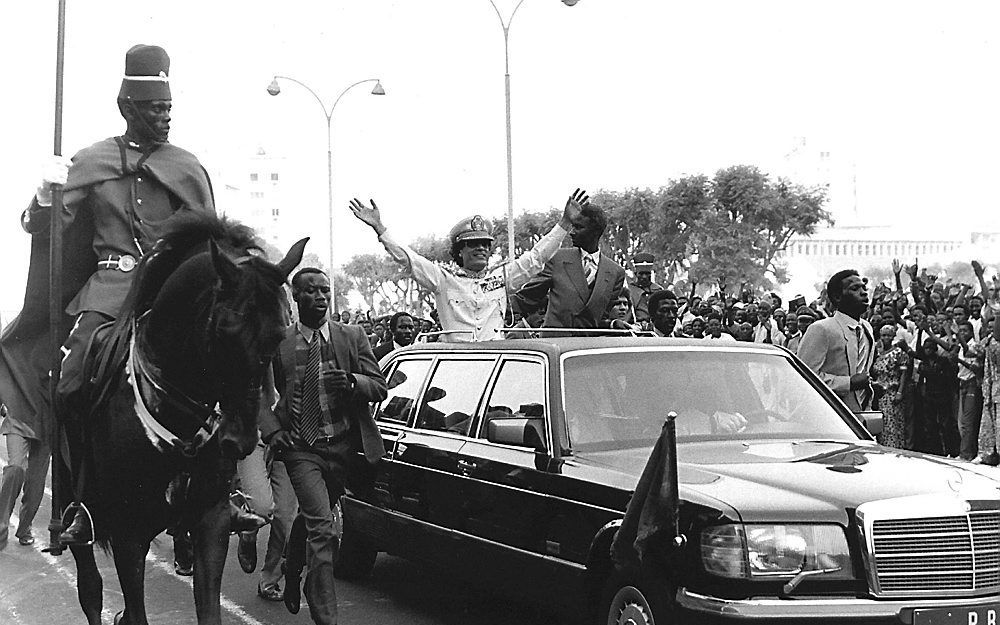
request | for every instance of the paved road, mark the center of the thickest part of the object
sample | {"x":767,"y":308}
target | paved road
{"x":38,"y":589}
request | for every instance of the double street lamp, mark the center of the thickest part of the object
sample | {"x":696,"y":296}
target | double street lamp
{"x":505,"y":25}
{"x":275,"y":89}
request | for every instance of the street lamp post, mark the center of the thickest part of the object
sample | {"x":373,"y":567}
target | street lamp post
{"x":505,"y":25}
{"x":274,"y":89}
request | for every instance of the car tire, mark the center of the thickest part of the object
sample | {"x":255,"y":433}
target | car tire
{"x":626,"y":600}
{"x":356,"y":555}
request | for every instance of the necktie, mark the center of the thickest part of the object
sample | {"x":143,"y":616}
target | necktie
{"x":589,"y":268}
{"x":309,"y":413}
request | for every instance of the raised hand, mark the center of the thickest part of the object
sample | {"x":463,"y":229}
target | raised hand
{"x":574,"y":205}
{"x":370,"y":216}
{"x":896,"y":267}
{"x":977,"y":267}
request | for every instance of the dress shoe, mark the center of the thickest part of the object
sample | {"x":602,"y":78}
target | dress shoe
{"x":293,"y":590}
{"x":80,"y":531}
{"x":271,"y":593}
{"x":246,"y":551}
{"x":26,"y":541}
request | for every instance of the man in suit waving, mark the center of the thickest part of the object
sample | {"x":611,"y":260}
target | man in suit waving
{"x":580,"y":282}
{"x":325,"y":376}
{"x":840,"y":349}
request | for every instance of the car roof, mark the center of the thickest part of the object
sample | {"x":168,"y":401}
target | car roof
{"x":556,"y":346}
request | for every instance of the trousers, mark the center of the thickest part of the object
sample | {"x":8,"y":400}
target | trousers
{"x":29,"y":463}
{"x":318,"y":475}
{"x":970,"y":411}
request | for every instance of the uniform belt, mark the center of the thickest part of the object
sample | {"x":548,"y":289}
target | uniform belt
{"x":124,"y":263}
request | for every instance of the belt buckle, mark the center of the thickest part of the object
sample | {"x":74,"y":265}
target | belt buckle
{"x":126,"y":263}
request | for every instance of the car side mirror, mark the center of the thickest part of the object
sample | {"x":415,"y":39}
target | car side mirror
{"x":518,"y":431}
{"x":872,"y":420}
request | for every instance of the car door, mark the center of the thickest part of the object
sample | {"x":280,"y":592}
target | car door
{"x":509,"y":486}
{"x":427,"y":466}
{"x":373,"y":510}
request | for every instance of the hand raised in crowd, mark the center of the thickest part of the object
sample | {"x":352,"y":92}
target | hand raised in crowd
{"x":896,"y":266}
{"x":977,"y":268}
{"x":574,"y":206}
{"x":370,"y":216}
{"x":55,"y":171}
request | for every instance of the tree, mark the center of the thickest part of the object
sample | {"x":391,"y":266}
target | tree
{"x":529,"y":227}
{"x":747,"y":221}
{"x":629,"y":214}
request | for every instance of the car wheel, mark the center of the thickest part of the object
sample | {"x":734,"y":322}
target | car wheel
{"x":356,"y":556}
{"x":627,"y":602}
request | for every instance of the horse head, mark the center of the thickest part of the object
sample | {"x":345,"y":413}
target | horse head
{"x":250,"y":317}
{"x":212,"y":315}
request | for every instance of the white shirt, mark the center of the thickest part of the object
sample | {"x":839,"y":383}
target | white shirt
{"x":472,"y":306}
{"x":760,"y":332}
{"x":725,"y":337}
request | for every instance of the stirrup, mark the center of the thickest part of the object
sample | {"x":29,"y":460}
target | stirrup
{"x":67,"y":519}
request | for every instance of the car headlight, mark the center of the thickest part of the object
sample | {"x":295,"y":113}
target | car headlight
{"x":781,"y":551}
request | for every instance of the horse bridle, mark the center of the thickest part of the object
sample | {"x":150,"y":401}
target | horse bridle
{"x":151,"y":389}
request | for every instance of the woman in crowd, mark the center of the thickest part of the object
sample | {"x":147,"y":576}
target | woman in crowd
{"x":988,"y":427}
{"x":890,"y":376}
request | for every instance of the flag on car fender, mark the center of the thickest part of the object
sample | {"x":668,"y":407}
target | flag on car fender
{"x":652,"y":511}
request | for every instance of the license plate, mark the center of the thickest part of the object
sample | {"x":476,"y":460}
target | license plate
{"x":982,"y":615}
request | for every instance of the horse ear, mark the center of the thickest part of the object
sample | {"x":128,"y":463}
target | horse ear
{"x":224,"y":266}
{"x":293,"y":257}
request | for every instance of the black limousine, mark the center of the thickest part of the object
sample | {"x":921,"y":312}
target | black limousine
{"x":515,"y":460}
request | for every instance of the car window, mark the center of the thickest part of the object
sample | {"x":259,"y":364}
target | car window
{"x":452,"y":395}
{"x":404,"y":385}
{"x":619,"y":400}
{"x":519,"y":392}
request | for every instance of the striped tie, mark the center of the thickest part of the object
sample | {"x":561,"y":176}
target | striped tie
{"x":589,"y":269}
{"x":309,"y":412}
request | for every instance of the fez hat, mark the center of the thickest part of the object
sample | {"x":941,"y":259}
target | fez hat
{"x":146,"y":74}
{"x":642,"y":262}
{"x":474,"y":228}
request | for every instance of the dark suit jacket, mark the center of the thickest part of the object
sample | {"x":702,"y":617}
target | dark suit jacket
{"x":354,"y":355}
{"x":383,"y":350}
{"x":572,"y":304}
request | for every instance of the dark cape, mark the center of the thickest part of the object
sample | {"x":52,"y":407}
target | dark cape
{"x":25,"y":357}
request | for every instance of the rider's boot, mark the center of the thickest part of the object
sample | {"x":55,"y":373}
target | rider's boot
{"x":81,"y":530}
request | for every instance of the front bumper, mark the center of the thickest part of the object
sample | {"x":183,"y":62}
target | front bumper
{"x":824,"y":608}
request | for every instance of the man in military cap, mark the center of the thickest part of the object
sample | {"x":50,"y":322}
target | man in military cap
{"x":642,"y":286}
{"x":119,"y":194}
{"x":472,"y":297}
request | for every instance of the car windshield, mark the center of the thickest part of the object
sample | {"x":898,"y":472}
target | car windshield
{"x":619,"y":399}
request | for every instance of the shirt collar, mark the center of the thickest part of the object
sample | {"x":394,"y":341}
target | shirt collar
{"x":307,"y":333}
{"x":845,"y":321}
{"x":595,"y":255}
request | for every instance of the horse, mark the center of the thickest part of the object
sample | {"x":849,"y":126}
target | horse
{"x":202,"y":321}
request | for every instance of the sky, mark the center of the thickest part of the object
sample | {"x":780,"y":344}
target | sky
{"x":606,"y":94}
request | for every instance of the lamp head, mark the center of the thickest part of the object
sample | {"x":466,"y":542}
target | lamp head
{"x":273,"y":88}
{"x":378,"y":89}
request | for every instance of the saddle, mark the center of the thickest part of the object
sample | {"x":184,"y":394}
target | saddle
{"x":104,"y":362}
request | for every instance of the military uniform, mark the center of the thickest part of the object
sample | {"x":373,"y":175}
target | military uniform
{"x":117,"y":198}
{"x":471,"y":306}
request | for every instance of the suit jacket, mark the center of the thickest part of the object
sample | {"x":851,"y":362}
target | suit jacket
{"x":832,"y":352}
{"x":354,"y":355}
{"x":383,"y":350}
{"x":572,"y":303}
